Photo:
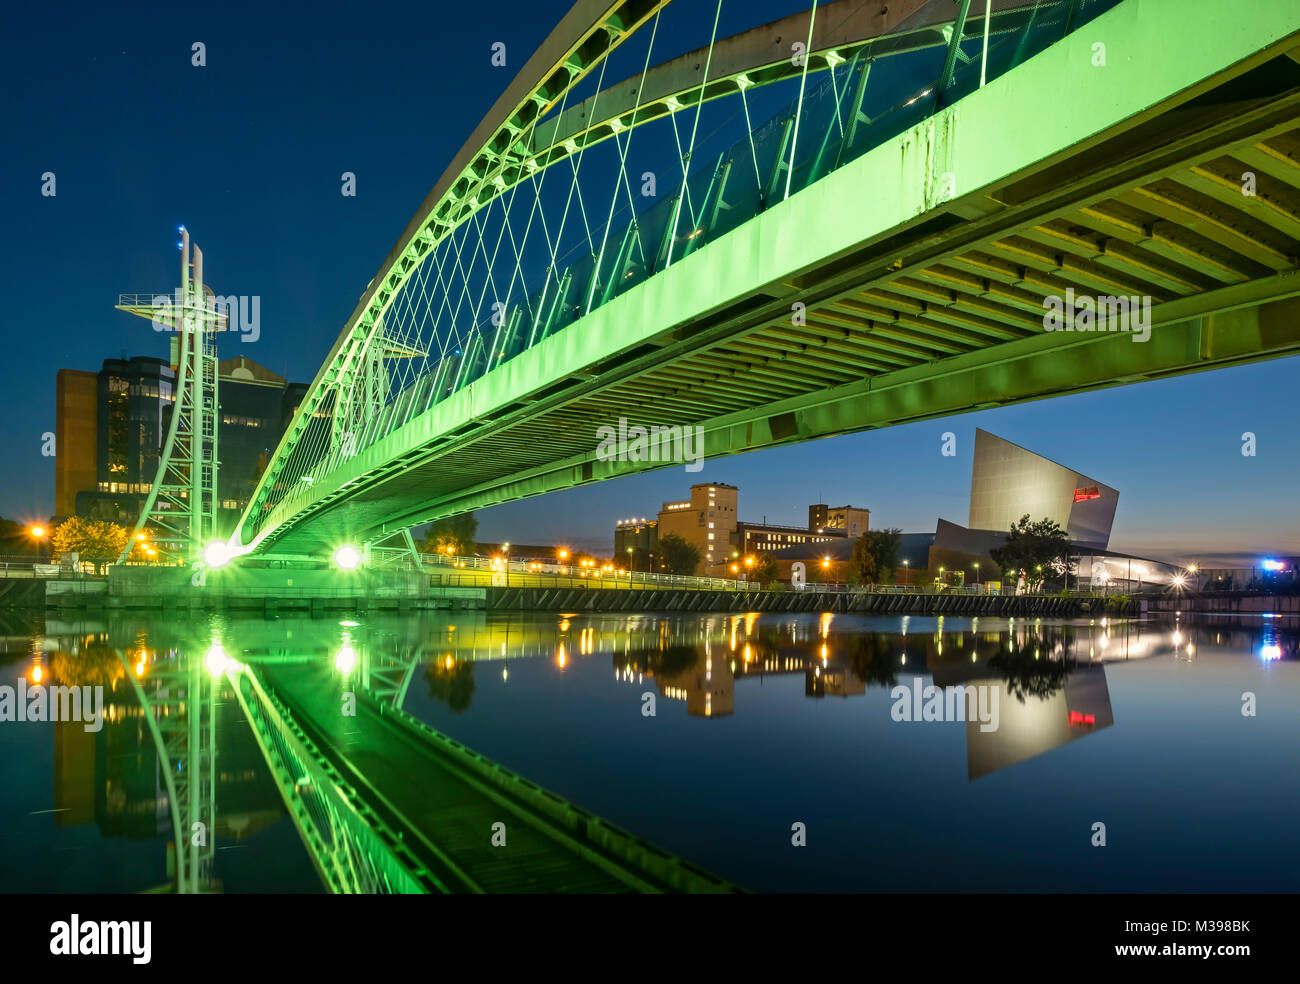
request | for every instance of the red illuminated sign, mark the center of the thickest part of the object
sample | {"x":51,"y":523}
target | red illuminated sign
{"x":1077,"y":717}
{"x":1087,"y":492}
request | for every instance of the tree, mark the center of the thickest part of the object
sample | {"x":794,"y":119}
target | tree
{"x":453,"y":684}
{"x":92,"y":539}
{"x":1035,"y":549}
{"x":677,"y":556}
{"x":1026,"y":675}
{"x":884,"y":551}
{"x":862,"y":568}
{"x":764,"y":570}
{"x":455,"y":534}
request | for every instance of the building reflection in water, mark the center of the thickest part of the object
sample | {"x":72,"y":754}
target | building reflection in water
{"x":1051,"y":678}
{"x":113,"y":777}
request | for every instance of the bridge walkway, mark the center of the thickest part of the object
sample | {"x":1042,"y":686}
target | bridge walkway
{"x":443,"y":800}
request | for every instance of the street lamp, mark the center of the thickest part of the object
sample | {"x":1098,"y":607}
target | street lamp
{"x":977,"y":574}
{"x":906,"y":572}
{"x":38,"y":534}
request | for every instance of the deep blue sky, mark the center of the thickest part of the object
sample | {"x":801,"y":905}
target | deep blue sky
{"x":247,"y":152}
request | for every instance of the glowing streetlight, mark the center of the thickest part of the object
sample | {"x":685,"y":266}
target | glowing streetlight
{"x":345,"y":661}
{"x":217,"y":662}
{"x":37,"y":533}
{"x":217,"y":554}
{"x":347,"y":558}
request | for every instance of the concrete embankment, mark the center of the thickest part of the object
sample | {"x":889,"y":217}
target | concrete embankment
{"x":1225,"y":604}
{"x":236,"y":588}
{"x":272,"y":590}
{"x":669,"y":600}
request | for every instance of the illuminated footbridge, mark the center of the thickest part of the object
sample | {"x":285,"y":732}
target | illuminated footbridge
{"x":858,"y":215}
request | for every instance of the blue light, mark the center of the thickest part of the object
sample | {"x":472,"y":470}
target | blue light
{"x":1273,"y":565}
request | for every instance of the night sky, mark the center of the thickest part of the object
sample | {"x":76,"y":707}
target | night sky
{"x":247,"y":152}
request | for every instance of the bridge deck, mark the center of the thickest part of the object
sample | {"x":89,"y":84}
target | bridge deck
{"x":444,"y":801}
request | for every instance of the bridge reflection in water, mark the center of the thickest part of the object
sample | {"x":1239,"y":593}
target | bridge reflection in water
{"x":385,"y":803}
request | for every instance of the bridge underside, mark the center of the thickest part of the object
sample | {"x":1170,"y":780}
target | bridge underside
{"x":916,"y":304}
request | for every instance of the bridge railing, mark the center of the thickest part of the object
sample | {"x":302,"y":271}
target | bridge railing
{"x":353,"y":850}
{"x":482,"y":571}
{"x":595,"y":580}
{"x":846,"y":113}
{"x":26,"y":567}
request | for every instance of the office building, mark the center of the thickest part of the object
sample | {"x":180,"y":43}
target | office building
{"x":707,"y":520}
{"x":850,"y":519}
{"x":76,"y":437}
{"x":111,"y":427}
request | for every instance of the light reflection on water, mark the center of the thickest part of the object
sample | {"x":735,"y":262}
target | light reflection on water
{"x":760,"y":721}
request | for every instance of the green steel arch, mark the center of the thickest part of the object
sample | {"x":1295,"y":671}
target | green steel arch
{"x":938,"y":236}
{"x":590,"y":30}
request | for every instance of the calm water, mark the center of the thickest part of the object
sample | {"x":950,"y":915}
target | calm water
{"x":759,"y":723}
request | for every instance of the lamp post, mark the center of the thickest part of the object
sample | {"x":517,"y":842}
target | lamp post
{"x":906,"y":572}
{"x":977,"y":574}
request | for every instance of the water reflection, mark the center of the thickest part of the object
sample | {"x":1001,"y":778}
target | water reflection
{"x":143,"y":778}
{"x":1051,"y":676}
{"x":518,"y":687}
